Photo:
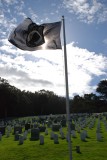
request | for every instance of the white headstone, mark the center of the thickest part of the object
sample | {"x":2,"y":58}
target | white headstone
{"x":56,"y":139}
{"x":73,"y":133}
{"x":52,"y":135}
{"x":16,"y":136}
{"x":21,"y":139}
{"x":25,"y":135}
{"x":85,"y":133}
{"x":67,"y":137}
{"x":99,"y":136}
{"x":46,"y":131}
{"x":82,"y":136}
{"x":0,"y":136}
{"x":62,"y":135}
{"x":7,"y":134}
{"x":41,"y":139}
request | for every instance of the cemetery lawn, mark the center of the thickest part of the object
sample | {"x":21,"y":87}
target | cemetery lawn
{"x":91,"y":149}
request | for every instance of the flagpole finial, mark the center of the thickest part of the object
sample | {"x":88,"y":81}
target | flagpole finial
{"x":62,"y":17}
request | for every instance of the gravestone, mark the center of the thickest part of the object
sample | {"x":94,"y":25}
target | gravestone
{"x":56,"y":139}
{"x":49,"y":124}
{"x":18,"y":128}
{"x":27,"y":126}
{"x":86,"y":134}
{"x":29,"y":130}
{"x":9,"y":128}
{"x":34,"y":134}
{"x":7,"y":134}
{"x":2,"y":123}
{"x":73,"y":133}
{"x":78,"y":129}
{"x":56,"y":127}
{"x":67,"y":137}
{"x":62,"y":135}
{"x":41,"y":139}
{"x":35,"y":125}
{"x":63,"y":122}
{"x":42,"y":128}
{"x":60,"y":130}
{"x":21,"y":139}
{"x":0,"y":136}
{"x":32,"y":126}
{"x":46,"y":131}
{"x":2,"y":129}
{"x":16,"y":136}
{"x":82,"y":136}
{"x":99,"y":136}
{"x":52,"y":135}
{"x":25,"y":135}
{"x":72,"y":126}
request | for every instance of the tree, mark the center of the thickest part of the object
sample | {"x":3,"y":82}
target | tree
{"x":77,"y":104}
{"x":91,"y":102}
{"x":102,"y":89}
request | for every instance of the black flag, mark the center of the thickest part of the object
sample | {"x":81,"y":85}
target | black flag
{"x":30,"y":36}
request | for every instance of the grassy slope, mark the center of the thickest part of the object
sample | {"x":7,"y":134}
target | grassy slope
{"x":32,"y":150}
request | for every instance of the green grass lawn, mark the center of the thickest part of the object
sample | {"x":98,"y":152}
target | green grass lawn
{"x":91,"y":149}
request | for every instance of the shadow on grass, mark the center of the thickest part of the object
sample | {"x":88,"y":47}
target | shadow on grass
{"x":20,"y":144}
{"x":74,"y":137}
{"x":88,"y":137}
{"x":77,"y":150}
{"x":84,"y":140}
{"x":100,"y":140}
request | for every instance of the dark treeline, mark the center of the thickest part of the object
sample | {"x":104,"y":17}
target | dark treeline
{"x":17,"y":103}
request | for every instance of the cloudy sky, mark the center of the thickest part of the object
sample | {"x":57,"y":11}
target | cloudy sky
{"x":86,"y":36}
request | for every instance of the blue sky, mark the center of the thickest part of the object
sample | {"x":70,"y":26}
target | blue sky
{"x":86,"y":36}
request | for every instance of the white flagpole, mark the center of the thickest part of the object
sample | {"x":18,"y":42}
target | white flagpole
{"x":67,"y":92}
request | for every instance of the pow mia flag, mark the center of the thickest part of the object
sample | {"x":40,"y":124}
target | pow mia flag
{"x":30,"y":36}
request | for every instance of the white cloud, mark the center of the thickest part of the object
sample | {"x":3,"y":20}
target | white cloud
{"x":33,"y":14}
{"x":83,"y":66}
{"x":45,"y":69}
{"x":9,"y":2}
{"x":105,"y":41}
{"x":86,"y":10}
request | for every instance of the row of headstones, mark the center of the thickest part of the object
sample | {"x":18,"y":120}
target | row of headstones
{"x":81,"y":125}
{"x":105,"y":124}
{"x":84,"y":135}
{"x":42,"y":120}
{"x":92,"y":123}
{"x":49,"y":120}
{"x":52,"y":119}
{"x":3,"y":129}
{"x":35,"y":135}
{"x":54,"y":127}
{"x":98,"y":130}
